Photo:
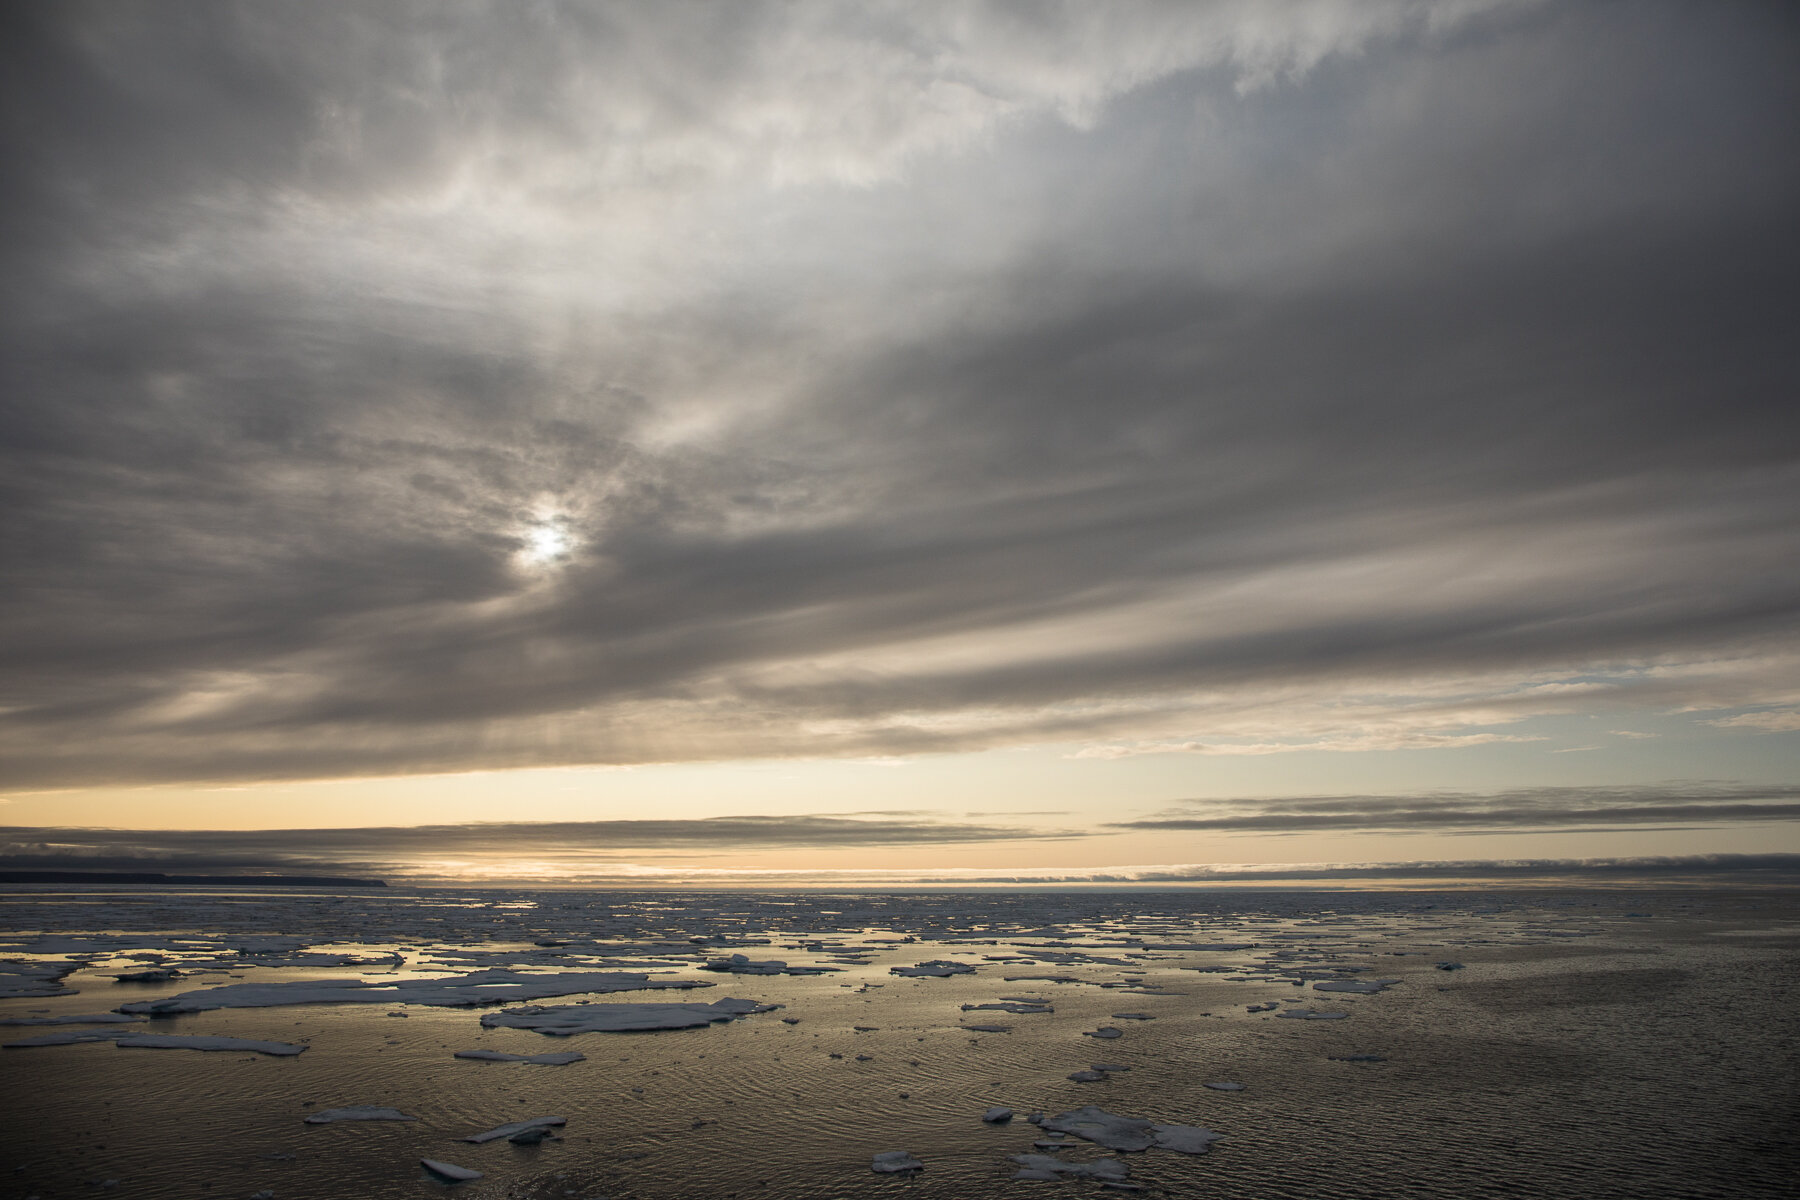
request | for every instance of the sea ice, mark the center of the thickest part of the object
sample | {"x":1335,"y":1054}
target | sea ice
{"x":567,"y":1019}
{"x":452,"y":991}
{"x":1366,"y":987}
{"x":1019,"y":1007}
{"x":1105,"y":1031}
{"x":169,"y":1041}
{"x":449,"y":1171}
{"x":35,"y":979}
{"x":1130,"y":1133}
{"x":896,"y":1162}
{"x":1185,"y":1139}
{"x":739,"y":964}
{"x":554,"y":1059}
{"x":59,"y":1039}
{"x":938,"y":968}
{"x":1088,"y":1076}
{"x":149,"y":975}
{"x":515,"y":1127}
{"x":356,"y":1112}
{"x":1221,"y":1085}
{"x":997,"y":1115}
{"x":987,"y":1028}
{"x":1044,"y":1167}
{"x":1307,"y":1014}
{"x":79,"y":1019}
{"x":1133,"y":1017}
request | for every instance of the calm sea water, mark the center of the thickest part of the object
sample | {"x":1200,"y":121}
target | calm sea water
{"x":1593,"y":1044}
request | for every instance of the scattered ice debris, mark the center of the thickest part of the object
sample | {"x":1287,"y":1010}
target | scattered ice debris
{"x":1105,"y":1031}
{"x":449,"y":1171}
{"x":567,"y":1019}
{"x":995,"y":1116}
{"x":1448,"y":966}
{"x":739,"y":964}
{"x":937,"y":968}
{"x":1221,"y":1085}
{"x":1307,"y":1014}
{"x":78,"y":1019}
{"x":896,"y":1162}
{"x":558,"y":1058}
{"x":357,"y":1112}
{"x":35,"y":979}
{"x":1044,"y":1167}
{"x":495,"y":986}
{"x":516,"y":1127}
{"x":1018,"y":1007}
{"x":1130,"y":1133}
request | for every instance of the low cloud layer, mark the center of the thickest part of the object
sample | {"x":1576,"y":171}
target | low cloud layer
{"x":472,"y":385}
{"x":1543,"y":809}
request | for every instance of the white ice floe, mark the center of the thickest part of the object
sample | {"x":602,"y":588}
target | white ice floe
{"x":1365,"y":987}
{"x":565,"y":1020}
{"x":739,"y":964}
{"x":151,"y":1041}
{"x":106,"y":1018}
{"x":1130,"y":1133}
{"x":1044,"y":1167}
{"x":1221,"y":1085}
{"x":1307,"y":1014}
{"x":35,"y":979}
{"x":449,"y":1171}
{"x":559,"y":1058}
{"x":451,"y":991}
{"x":938,"y":968}
{"x":996,"y":1115}
{"x":357,"y":1112}
{"x":169,"y":1041}
{"x":896,"y":1162}
{"x":516,"y":1127}
{"x":1105,"y":1031}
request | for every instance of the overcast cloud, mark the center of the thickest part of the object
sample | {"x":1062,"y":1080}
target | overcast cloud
{"x":465,"y":385}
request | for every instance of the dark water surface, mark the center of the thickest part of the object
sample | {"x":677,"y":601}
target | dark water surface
{"x":1594,"y":1044}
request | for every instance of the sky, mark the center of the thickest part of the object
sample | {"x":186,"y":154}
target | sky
{"x":732,"y":443}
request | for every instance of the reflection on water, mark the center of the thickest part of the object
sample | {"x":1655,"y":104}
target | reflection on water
{"x":1591,"y":1044}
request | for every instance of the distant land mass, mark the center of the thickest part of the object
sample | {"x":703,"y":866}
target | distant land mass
{"x":152,"y":877}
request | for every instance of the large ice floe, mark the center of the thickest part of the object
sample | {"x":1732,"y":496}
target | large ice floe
{"x":35,"y":979}
{"x":153,"y":1041}
{"x":450,"y":991}
{"x":938,"y":968}
{"x":1129,"y":1133}
{"x":739,"y":964}
{"x":564,"y":1020}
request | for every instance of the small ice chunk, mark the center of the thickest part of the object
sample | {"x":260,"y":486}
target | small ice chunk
{"x":1018,"y":1007}
{"x":1044,"y":1167}
{"x":1105,"y":1031}
{"x":987,"y":1028}
{"x":555,"y":1059}
{"x":1448,"y":966}
{"x":896,"y":1162}
{"x":149,"y":975}
{"x":506,"y":1131}
{"x":1109,"y":1067}
{"x":449,"y":1171}
{"x":995,"y":1116}
{"x":1358,"y":1058}
{"x":1307,"y":1014}
{"x":357,"y":1112}
{"x":1087,"y":1076}
{"x":1221,"y":1085}
{"x":1133,"y":1017}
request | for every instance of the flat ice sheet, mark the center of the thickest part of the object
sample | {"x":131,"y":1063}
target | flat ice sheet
{"x":497,"y":986}
{"x":565,"y":1020}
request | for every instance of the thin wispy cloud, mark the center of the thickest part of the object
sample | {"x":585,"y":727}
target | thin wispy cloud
{"x":1522,"y":810}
